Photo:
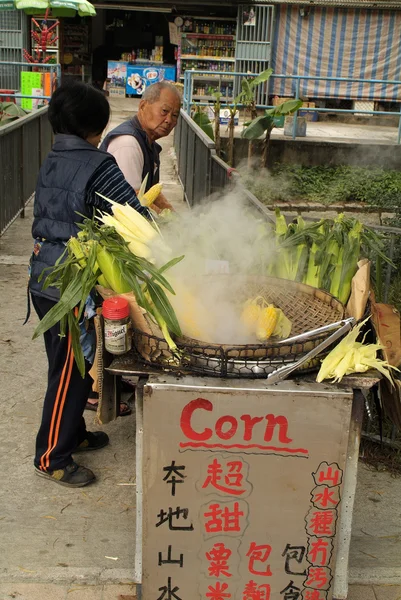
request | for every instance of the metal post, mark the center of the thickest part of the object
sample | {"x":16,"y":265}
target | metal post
{"x":295,"y":121}
{"x":139,"y":476}
{"x":22,"y":171}
{"x":389,"y":269}
{"x":399,"y":130}
{"x":340,"y":584}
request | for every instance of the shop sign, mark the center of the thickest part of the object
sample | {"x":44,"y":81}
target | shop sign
{"x":242,"y":493}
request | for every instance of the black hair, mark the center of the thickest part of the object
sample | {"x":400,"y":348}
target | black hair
{"x":77,"y":108}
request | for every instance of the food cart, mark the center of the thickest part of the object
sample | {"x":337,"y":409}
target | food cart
{"x":244,"y":488}
{"x":245,"y":465}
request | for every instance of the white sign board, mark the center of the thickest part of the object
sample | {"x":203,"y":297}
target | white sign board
{"x":242,"y":490}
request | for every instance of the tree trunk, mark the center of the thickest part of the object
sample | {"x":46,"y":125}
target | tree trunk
{"x":266,"y":144}
{"x":217,"y":140}
{"x":251,"y":149}
{"x":231,"y":129}
{"x":251,"y":145}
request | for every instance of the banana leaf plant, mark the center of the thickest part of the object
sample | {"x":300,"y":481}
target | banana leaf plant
{"x":265,"y":123}
{"x":9,"y":112}
{"x":247,"y":99}
{"x":203,"y":121}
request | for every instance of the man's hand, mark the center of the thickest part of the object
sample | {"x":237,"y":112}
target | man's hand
{"x":161,"y":203}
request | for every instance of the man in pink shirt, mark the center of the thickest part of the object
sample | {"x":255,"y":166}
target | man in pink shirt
{"x":133,"y":143}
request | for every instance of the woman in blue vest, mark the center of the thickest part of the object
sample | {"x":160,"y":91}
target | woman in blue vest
{"x":67,"y":184}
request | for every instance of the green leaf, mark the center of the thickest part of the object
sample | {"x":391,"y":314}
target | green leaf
{"x":164,"y":307}
{"x":71,"y":298}
{"x":75,"y":333}
{"x":203,"y":121}
{"x":256,"y":128}
{"x":262,"y":77}
{"x":247,"y":91}
{"x":289,"y":106}
{"x":171,"y":263}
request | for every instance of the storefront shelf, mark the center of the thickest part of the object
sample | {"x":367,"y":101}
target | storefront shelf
{"x":215,"y":58}
{"x":211,"y":77}
{"x":209,"y":36}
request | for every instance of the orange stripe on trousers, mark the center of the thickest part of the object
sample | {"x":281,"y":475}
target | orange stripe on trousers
{"x":45,"y":456}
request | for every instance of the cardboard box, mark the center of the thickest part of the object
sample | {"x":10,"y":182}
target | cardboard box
{"x":310,"y":115}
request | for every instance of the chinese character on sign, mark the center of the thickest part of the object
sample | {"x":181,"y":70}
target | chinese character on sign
{"x":319,"y":551}
{"x":314,"y":595}
{"x":296,"y":553}
{"x":318,"y":578}
{"x":321,"y":522}
{"x":253,"y":591}
{"x":330,"y":475}
{"x":325,"y":497}
{"x":222,"y":519}
{"x":168,"y":592}
{"x":291,"y":592}
{"x":174,"y":475}
{"x":218,"y":558}
{"x":231,"y":483}
{"x":169,"y":560}
{"x":165,"y":517}
{"x":218,"y":591}
{"x":259,"y":554}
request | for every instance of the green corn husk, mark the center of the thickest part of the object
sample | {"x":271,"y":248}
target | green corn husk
{"x":101,"y":250}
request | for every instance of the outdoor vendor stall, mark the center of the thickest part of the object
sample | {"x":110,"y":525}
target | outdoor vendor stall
{"x":246,"y":455}
{"x":248,"y":486}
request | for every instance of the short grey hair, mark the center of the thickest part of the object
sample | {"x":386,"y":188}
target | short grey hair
{"x":152,"y":93}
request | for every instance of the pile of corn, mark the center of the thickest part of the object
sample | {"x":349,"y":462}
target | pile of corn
{"x":118,"y":256}
{"x":264,"y":320}
{"x":350,"y":356}
{"x":323,"y":254}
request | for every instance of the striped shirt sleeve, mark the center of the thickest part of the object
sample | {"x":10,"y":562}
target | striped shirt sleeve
{"x":109,"y":181}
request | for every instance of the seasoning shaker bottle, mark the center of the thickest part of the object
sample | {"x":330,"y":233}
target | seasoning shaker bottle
{"x":117,"y":325}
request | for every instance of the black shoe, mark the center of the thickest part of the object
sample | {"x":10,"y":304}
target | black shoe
{"x":93,"y":441}
{"x":72,"y":475}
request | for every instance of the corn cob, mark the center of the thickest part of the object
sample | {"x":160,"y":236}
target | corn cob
{"x":250,"y":315}
{"x":133,"y":221}
{"x":136,"y":246}
{"x":266,"y":323}
{"x":350,"y":356}
{"x":151,"y":195}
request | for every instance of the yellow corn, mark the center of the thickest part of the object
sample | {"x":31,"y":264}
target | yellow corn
{"x":133,"y":221}
{"x":119,"y":227}
{"x":266,"y":323}
{"x":283,"y":325}
{"x":250,"y":315}
{"x":151,"y":195}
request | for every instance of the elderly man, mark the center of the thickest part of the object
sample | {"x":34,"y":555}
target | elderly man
{"x":133,"y":143}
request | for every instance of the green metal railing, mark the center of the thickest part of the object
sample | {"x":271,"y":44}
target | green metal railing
{"x":24,"y":143}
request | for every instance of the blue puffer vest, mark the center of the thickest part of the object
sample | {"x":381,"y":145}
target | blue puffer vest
{"x":150,"y":152}
{"x":61,"y":194}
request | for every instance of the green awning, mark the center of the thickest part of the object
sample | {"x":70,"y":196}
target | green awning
{"x":58,"y":8}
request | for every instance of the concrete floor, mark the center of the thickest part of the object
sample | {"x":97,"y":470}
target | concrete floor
{"x":61,"y":544}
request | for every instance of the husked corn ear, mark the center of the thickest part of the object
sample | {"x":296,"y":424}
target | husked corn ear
{"x":119,"y":227}
{"x":266,"y":323}
{"x":151,"y":195}
{"x":133,"y":220}
{"x":250,"y":315}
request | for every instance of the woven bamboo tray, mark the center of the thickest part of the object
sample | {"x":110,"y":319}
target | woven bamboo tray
{"x":305,"y":306}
